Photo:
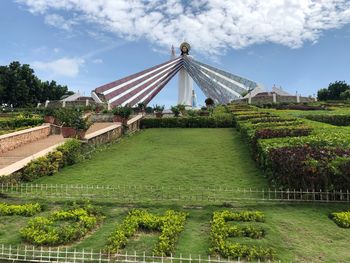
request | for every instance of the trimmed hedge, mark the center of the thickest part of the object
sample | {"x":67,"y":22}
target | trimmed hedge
{"x":170,"y":225}
{"x":221,"y":231}
{"x":337,"y":120}
{"x":306,"y":167}
{"x":342,"y":219}
{"x":188,"y":122}
{"x":22,"y":210}
{"x":20,"y":121}
{"x":53,"y":231}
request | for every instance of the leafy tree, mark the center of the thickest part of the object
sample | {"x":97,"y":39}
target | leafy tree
{"x":336,"y":88}
{"x":323,"y":94}
{"x":20,"y":87}
{"x":345,"y":95}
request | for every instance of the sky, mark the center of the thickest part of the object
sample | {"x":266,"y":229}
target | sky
{"x":300,"y":45}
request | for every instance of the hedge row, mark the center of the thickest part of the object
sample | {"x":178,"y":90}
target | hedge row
{"x":188,"y":122}
{"x":20,"y":121}
{"x":221,"y":231}
{"x":337,"y":120}
{"x":21,"y":210}
{"x":294,"y":156}
{"x":170,"y":225}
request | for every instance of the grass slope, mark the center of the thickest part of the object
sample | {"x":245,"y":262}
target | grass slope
{"x":169,"y":157}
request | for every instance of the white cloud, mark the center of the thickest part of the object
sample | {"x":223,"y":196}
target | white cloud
{"x":97,"y":61}
{"x":59,"y":22}
{"x":67,"y":67}
{"x":211,"y":26}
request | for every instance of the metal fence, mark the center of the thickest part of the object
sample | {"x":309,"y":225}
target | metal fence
{"x":135,"y":194}
{"x":57,"y":254}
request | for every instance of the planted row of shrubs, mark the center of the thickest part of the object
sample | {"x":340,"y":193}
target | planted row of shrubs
{"x":171,"y":224}
{"x":67,"y":154}
{"x":188,"y":122}
{"x":337,"y":120}
{"x":20,"y":121}
{"x":294,"y":156}
{"x":221,"y":231}
{"x":20,"y":210}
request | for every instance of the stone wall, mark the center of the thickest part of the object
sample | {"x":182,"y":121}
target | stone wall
{"x":134,"y":124}
{"x":13,"y":140}
{"x":105,"y":135}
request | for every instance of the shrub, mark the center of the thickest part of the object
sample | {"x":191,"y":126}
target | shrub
{"x":282,"y":132}
{"x":306,"y":167}
{"x":170,"y":225}
{"x":188,"y":122}
{"x":52,"y":231}
{"x":123,"y":112}
{"x":20,"y":121}
{"x":22,"y":210}
{"x":342,"y":219}
{"x":337,"y":120}
{"x":221,"y":231}
{"x":66,"y":154}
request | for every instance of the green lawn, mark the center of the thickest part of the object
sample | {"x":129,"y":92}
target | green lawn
{"x":193,"y":157}
{"x":169,"y":157}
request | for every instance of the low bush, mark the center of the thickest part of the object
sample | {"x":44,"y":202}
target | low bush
{"x":68,"y":153}
{"x":22,"y":210}
{"x":342,"y":219}
{"x":188,"y":122}
{"x":306,"y":167}
{"x":337,"y":120}
{"x":282,"y":132}
{"x":221,"y":231}
{"x":60,"y":227}
{"x":170,"y":225}
{"x":20,"y":121}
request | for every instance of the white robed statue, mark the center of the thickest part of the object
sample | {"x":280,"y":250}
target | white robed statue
{"x":185,"y":80}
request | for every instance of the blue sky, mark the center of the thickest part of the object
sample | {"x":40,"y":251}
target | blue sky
{"x":84,"y":44}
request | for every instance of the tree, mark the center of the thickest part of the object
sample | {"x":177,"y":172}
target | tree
{"x":20,"y":87}
{"x":345,"y":95}
{"x":323,"y":94}
{"x":336,"y":88}
{"x":334,"y":91}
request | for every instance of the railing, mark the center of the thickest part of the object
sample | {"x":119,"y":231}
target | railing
{"x":57,"y":254}
{"x":134,"y":194}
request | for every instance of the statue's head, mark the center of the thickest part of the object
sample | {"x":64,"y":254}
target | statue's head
{"x":185,"y":48}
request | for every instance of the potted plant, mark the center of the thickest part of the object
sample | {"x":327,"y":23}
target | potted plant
{"x":159,"y":110}
{"x":73,"y":123}
{"x":49,"y":115}
{"x":121,"y":114}
{"x":209,"y":102}
{"x":175,"y":110}
{"x":182,"y":109}
{"x":141,"y":107}
{"x":81,"y":125}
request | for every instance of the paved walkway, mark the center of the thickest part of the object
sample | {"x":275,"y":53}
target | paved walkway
{"x":28,"y":150}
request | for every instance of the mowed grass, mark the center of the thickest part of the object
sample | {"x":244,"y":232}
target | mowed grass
{"x":169,"y":157}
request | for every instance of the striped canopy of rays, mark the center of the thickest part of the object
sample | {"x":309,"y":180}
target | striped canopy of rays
{"x":143,"y":86}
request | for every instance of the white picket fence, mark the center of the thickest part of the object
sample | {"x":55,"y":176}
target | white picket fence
{"x":44,"y":254}
{"x":132,"y":194}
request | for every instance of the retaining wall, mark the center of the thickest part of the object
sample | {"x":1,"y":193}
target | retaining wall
{"x":16,"y":139}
